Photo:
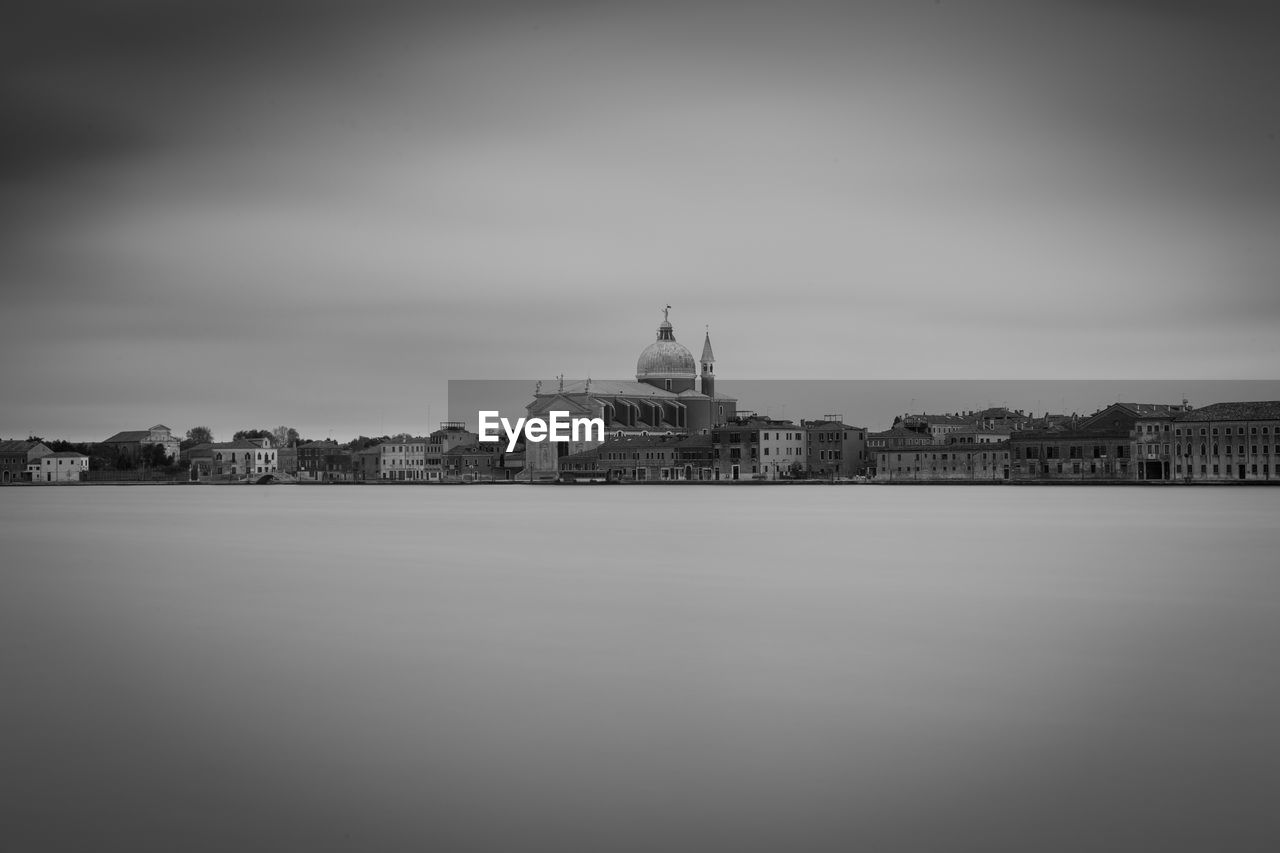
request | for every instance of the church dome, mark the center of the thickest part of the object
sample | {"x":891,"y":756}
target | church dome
{"x":666,"y":358}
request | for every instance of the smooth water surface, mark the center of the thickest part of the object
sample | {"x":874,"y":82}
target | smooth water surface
{"x":639,"y":668}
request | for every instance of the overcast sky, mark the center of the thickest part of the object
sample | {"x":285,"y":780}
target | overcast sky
{"x":243,"y":214}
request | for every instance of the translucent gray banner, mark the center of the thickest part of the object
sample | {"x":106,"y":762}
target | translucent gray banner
{"x":873,"y":404}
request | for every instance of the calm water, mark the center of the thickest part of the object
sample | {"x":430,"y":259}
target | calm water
{"x":598,"y":669}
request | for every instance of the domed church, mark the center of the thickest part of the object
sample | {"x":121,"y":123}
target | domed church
{"x":673,"y":394}
{"x":666,"y":363}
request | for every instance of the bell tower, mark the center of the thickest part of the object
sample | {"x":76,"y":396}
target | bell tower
{"x":708,"y":367}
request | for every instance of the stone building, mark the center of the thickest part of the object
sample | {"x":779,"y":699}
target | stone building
{"x":132,"y":443}
{"x":403,"y":460}
{"x":758,"y":448}
{"x":323,"y":461}
{"x":978,"y":433}
{"x":1102,"y":446}
{"x":364,"y":464}
{"x":897,"y":440}
{"x":287,"y":459}
{"x":951,"y":460}
{"x":835,"y":449}
{"x":642,"y":459}
{"x":1099,"y":454}
{"x":1237,"y":441}
{"x":474,"y":463}
{"x":16,"y":456}
{"x":243,"y":459}
{"x":451,"y":434}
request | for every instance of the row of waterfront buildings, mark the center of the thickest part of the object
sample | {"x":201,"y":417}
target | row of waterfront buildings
{"x":451,"y":453}
{"x":671,"y":425}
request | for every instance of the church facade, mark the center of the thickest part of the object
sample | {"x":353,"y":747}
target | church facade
{"x":672,"y":395}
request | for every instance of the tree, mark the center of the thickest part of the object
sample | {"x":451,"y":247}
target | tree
{"x":360,"y":443}
{"x":284,"y":436}
{"x":251,"y":434}
{"x":153,"y":456}
{"x":62,"y":445}
{"x":198,"y":435}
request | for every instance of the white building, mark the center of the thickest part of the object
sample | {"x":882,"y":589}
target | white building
{"x":61,"y":467}
{"x":246,"y":457}
{"x":782,"y":445}
{"x":403,"y":460}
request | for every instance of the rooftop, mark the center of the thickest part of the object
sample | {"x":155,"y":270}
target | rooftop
{"x":238,"y":444}
{"x":1250,"y":410}
{"x":474,"y":449}
{"x":129,"y":436}
{"x":900,"y":431}
{"x":955,"y":418}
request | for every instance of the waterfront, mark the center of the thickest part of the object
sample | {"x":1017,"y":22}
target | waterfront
{"x":656,"y":668}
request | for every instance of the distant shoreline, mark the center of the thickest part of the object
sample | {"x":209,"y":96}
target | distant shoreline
{"x":688,"y":483}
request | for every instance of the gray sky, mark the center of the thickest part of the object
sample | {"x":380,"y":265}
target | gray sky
{"x":242,"y":214}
